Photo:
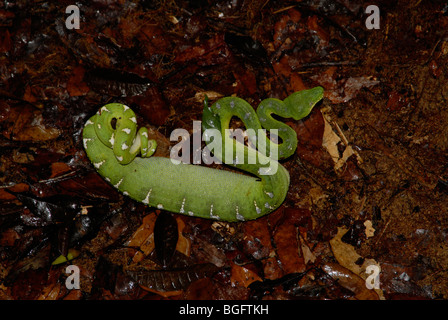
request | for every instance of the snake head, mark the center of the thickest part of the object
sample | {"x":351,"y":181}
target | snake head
{"x":209,"y":119}
{"x":302,"y":102}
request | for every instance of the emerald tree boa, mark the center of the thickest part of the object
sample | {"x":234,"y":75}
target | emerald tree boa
{"x":124,"y":157}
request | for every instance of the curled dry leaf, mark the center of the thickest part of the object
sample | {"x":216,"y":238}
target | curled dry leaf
{"x":143,"y":238}
{"x":332,"y":139}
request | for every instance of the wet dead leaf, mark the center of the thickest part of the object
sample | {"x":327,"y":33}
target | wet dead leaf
{"x":350,"y":281}
{"x":341,"y":91}
{"x":75,"y":84}
{"x":287,"y":249}
{"x":349,"y":260}
{"x":242,"y":276}
{"x":27,"y":124}
{"x":331,"y":140}
{"x":344,"y":253}
{"x":308,"y":255}
{"x":143,"y":238}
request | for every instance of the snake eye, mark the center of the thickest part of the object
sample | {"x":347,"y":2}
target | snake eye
{"x":113,"y":123}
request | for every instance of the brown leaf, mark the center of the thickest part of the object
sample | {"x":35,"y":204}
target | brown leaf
{"x":285,"y":239}
{"x":27,"y":125}
{"x":340,"y":91}
{"x":29,"y":284}
{"x":143,"y":239}
{"x":284,"y":25}
{"x":294,"y":81}
{"x":210,"y":253}
{"x":242,"y":276}
{"x":257,"y":239}
{"x":272,"y":268}
{"x":59,"y":168}
{"x":309,"y":136}
{"x":8,"y":238}
{"x":183,"y":243}
{"x":246,"y":82}
{"x":5,"y":41}
{"x":155,"y":40}
{"x":20,"y":187}
{"x":90,"y":185}
{"x":351,"y":281}
{"x":152,"y":105}
{"x":75,"y":84}
{"x":51,"y":292}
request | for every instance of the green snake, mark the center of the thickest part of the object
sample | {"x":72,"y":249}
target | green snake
{"x":123,"y":157}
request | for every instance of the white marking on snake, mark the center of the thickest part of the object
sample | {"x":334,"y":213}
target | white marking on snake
{"x":85,"y":142}
{"x":146,"y":200}
{"x":118,"y":184}
{"x":238,"y":216}
{"x":211,"y":213}
{"x":99,"y":164}
{"x":256,"y":207}
{"x":267,"y":205}
{"x":182,"y":207}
